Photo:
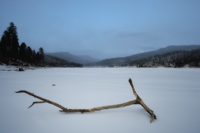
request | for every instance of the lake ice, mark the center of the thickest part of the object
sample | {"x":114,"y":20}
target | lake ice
{"x":173,"y":94}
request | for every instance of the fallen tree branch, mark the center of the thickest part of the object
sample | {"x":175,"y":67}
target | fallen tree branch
{"x":114,"y":106}
{"x":138,"y":100}
{"x":36,"y":103}
{"x":43,"y":99}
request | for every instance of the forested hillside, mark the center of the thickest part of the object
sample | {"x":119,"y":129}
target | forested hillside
{"x":171,"y":59}
{"x":57,"y":62}
{"x":130,"y":60}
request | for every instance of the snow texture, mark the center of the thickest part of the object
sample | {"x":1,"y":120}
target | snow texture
{"x":173,"y":94}
{"x":5,"y":67}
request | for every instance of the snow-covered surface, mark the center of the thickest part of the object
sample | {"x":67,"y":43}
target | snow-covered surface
{"x":5,"y":67}
{"x":173,"y":94}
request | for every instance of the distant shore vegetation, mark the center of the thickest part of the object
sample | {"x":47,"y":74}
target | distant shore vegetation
{"x":13,"y":53}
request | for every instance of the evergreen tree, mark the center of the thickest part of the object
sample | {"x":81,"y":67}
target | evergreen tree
{"x":23,"y":51}
{"x":41,"y":54}
{"x":4,"y":46}
{"x":29,"y":54}
{"x":9,"y":42}
{"x":37,"y":58}
{"x":33,"y":60}
{"x":9,"y":48}
{"x":13,"y":40}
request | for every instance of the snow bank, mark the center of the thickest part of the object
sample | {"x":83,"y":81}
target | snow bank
{"x":173,"y":94}
{"x":5,"y":67}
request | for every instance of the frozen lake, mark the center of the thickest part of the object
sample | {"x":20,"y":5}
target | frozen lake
{"x":173,"y":94}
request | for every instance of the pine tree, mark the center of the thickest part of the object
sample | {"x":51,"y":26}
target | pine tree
{"x":37,"y":58}
{"x":9,"y":48}
{"x":9,"y":42}
{"x":29,"y":54}
{"x":33,"y":60}
{"x":41,"y":54}
{"x":13,"y":40}
{"x":23,"y":51}
{"x":4,"y":46}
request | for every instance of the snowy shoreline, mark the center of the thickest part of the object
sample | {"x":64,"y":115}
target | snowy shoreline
{"x":5,"y":67}
{"x":16,"y":68}
{"x":172,"y":94}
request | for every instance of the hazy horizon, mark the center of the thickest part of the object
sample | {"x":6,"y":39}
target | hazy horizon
{"x":103,"y":28}
{"x":119,"y":56}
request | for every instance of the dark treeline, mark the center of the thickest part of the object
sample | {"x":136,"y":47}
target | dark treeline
{"x":171,"y":59}
{"x":14,"y":54}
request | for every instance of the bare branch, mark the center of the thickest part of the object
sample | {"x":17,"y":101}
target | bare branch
{"x":36,"y":103}
{"x":114,"y":106}
{"x":138,"y":100}
{"x":133,"y":89}
{"x":153,"y":116}
{"x":43,"y":99}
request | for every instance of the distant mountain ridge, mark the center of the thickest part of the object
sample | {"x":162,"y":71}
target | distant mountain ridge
{"x":171,"y":59}
{"x":82,"y":59}
{"x":89,"y":61}
{"x":126,"y":60}
{"x":57,"y":62}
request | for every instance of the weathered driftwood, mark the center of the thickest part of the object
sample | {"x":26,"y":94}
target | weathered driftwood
{"x":138,"y":100}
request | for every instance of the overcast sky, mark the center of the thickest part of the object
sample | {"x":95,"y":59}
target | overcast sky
{"x":102,"y":28}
